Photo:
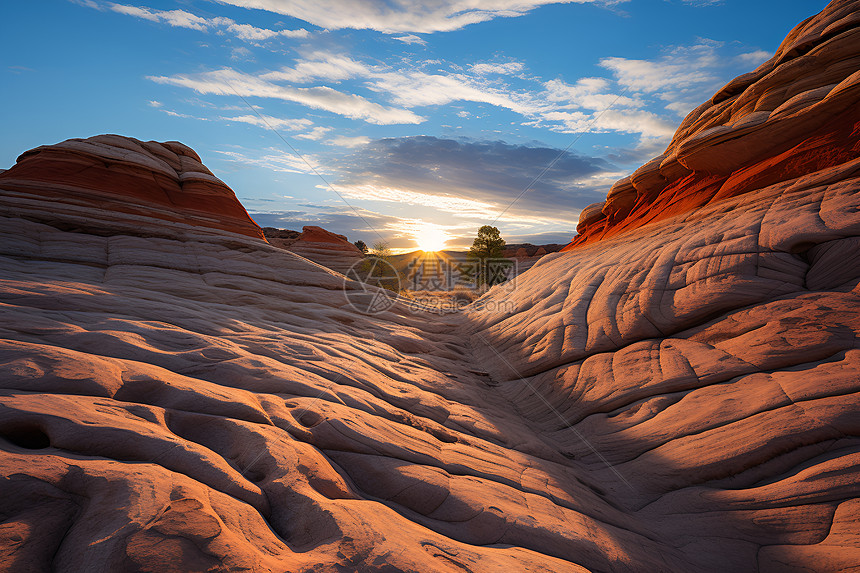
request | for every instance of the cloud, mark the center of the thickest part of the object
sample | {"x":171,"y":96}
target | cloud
{"x":504,"y":69}
{"x":249,"y":32}
{"x":474,"y":179}
{"x":411,"y":39}
{"x":154,"y":103}
{"x":268,"y":121}
{"x":754,"y":58}
{"x":409,"y":87}
{"x":352,"y":142}
{"x":177,"y":18}
{"x":315,"y":134}
{"x":634,"y":100}
{"x":273,"y":159}
{"x":87,"y":3}
{"x":240,"y":53}
{"x":414,"y":88}
{"x":645,"y":123}
{"x":668,"y":72}
{"x":184,"y":19}
{"x":172,"y":113}
{"x":682,"y":77}
{"x":320,"y":66}
{"x":227,"y":81}
{"x":548,"y":104}
{"x":588,"y":93}
{"x":397,"y":17}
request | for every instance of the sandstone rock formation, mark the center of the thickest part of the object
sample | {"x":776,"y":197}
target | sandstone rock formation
{"x":326,"y":248}
{"x":680,"y":397}
{"x":129,"y":178}
{"x":797,"y":113}
{"x":525,"y":255}
{"x":318,"y":245}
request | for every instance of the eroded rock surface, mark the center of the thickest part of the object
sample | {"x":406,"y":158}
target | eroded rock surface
{"x":326,"y":248}
{"x":176,"y":396}
{"x":797,"y":113}
{"x":130,"y":178}
{"x":318,"y":245}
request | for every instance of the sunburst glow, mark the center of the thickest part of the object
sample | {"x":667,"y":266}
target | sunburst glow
{"x":430,"y":238}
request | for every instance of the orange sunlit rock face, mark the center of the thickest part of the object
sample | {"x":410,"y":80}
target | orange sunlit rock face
{"x":797,"y":114}
{"x":123,"y":175}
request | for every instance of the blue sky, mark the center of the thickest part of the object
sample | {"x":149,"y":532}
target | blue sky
{"x":409,"y":118}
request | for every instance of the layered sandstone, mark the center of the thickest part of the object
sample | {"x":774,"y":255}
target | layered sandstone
{"x":326,"y":248}
{"x":129,"y":178}
{"x":318,"y":245}
{"x":797,"y":113}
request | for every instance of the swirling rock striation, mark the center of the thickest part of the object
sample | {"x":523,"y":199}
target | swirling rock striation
{"x":796,"y":114}
{"x":128,"y":177}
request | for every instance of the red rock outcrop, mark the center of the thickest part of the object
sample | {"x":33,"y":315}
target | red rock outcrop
{"x":125,"y":176}
{"x":318,"y":245}
{"x":796,"y":114}
{"x":326,"y":248}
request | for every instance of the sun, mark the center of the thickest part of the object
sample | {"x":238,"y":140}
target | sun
{"x":431,"y":238}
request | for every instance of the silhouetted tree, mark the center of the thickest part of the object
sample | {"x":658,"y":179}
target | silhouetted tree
{"x":487,"y":253}
{"x":361,"y":246}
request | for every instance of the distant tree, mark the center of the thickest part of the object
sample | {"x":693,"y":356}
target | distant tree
{"x":487,"y":251}
{"x":361,"y":246}
{"x":380,"y":250}
{"x":378,"y":268}
{"x":489,"y":244}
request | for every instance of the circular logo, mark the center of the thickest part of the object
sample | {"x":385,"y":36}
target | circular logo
{"x":377,"y":288}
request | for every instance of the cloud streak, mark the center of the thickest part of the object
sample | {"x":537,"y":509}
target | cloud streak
{"x":228,"y":82}
{"x":413,"y":16}
{"x":185,"y":19}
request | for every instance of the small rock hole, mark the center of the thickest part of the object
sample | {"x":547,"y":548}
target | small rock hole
{"x":28,"y":437}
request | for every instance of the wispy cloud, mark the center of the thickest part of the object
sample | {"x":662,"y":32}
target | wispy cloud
{"x":639,"y":97}
{"x":411,"y":39}
{"x":185,"y":19}
{"x":272,"y":159}
{"x":682,"y":77}
{"x":231,"y":82}
{"x":754,"y":58}
{"x":315,"y":134}
{"x":414,"y":16}
{"x":273,"y":122}
{"x":249,"y":32}
{"x":350,"y":142}
{"x":177,"y":18}
{"x":503,"y":68}
{"x":172,"y":113}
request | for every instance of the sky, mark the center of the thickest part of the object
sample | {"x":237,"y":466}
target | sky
{"x":392,"y":120}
